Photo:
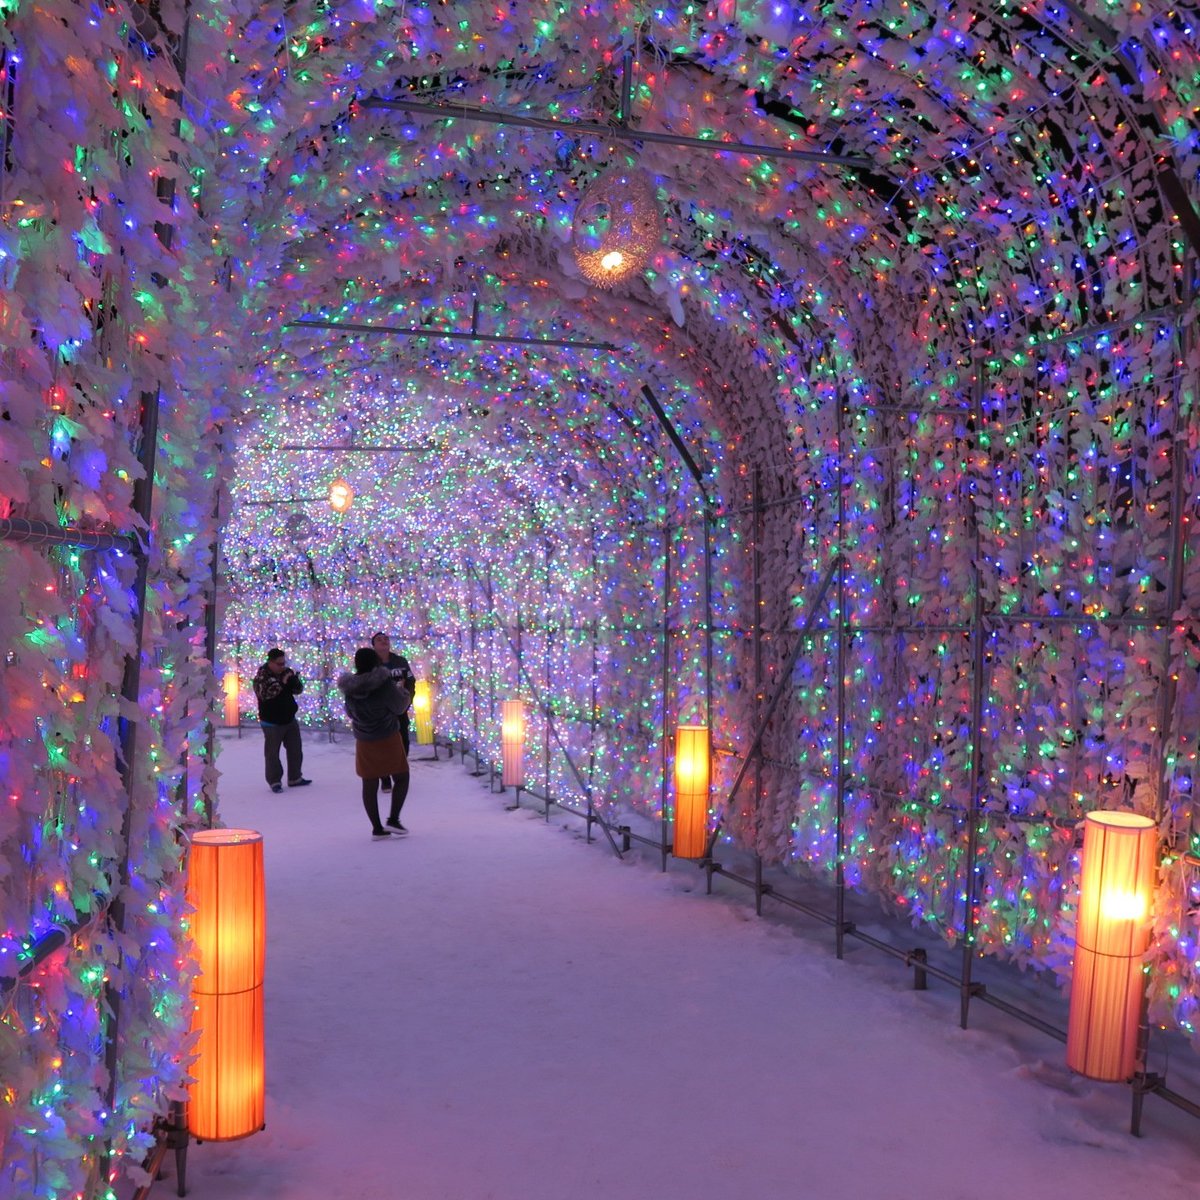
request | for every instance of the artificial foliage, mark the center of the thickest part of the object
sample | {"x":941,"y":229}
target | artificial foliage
{"x":956,"y":358}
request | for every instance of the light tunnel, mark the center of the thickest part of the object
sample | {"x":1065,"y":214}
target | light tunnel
{"x":884,"y":463}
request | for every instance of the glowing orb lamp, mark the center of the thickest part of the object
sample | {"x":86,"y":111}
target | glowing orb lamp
{"x":341,"y":496}
{"x":617,"y":226}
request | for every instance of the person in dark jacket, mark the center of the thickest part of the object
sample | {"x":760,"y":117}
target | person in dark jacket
{"x":375,"y":704}
{"x":402,"y":673}
{"x":276,"y":686}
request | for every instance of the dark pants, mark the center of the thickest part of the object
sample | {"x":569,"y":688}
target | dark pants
{"x":370,"y":797}
{"x":287,"y":736}
{"x":394,"y":780}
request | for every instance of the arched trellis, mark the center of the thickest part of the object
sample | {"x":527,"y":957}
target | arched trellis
{"x":100,"y":315}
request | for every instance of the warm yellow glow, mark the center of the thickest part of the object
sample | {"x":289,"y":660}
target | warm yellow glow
{"x":512,"y":743}
{"x":1112,"y":934}
{"x":692,"y":768}
{"x":341,"y":495}
{"x":228,"y":927}
{"x":1122,"y":906}
{"x":423,"y":712}
{"x":229,"y":685}
{"x":612,"y":260}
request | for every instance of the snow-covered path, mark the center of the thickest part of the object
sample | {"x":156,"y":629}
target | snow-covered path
{"x":492,"y":1009}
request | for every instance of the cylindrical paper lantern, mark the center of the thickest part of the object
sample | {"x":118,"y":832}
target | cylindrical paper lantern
{"x":691,"y":790}
{"x":228,"y":926}
{"x":423,"y":712}
{"x":229,"y":685}
{"x":512,"y":742}
{"x":1112,"y":933}
{"x":341,"y":496}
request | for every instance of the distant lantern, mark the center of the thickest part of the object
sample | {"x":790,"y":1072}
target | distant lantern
{"x":341,"y":496}
{"x":512,"y":743}
{"x":1112,"y":934}
{"x":228,"y":927}
{"x":423,"y":712}
{"x":692,"y":771}
{"x":617,"y":226}
{"x":229,"y":685}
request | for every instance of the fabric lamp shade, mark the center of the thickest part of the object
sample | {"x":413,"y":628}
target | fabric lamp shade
{"x":1112,"y":934}
{"x":692,"y":769}
{"x":228,"y":925}
{"x":512,"y":743}
{"x":231,"y":688}
{"x":423,"y":712}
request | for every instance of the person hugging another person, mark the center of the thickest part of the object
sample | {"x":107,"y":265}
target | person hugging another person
{"x":375,"y":702}
{"x":402,"y":673}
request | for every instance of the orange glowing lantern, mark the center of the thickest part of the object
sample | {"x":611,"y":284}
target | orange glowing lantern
{"x":1112,"y":934}
{"x":691,"y":790}
{"x":423,"y":712}
{"x":512,"y":743}
{"x":228,"y":926}
{"x":341,"y":496}
{"x":230,"y":686}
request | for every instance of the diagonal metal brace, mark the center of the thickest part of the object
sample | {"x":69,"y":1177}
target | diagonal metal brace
{"x":781,"y":687}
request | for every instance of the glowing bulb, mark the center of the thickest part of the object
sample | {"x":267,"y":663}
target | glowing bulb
{"x":341,"y":496}
{"x":612,"y":260}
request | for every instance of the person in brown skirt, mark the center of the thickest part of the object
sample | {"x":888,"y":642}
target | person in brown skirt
{"x":374,"y":704}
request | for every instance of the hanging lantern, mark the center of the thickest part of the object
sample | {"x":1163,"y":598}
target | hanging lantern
{"x":1112,"y":934}
{"x":691,"y":790}
{"x":512,"y":743}
{"x":617,"y":226}
{"x":229,"y":685}
{"x":423,"y":712}
{"x":225,"y":888}
{"x":341,"y":496}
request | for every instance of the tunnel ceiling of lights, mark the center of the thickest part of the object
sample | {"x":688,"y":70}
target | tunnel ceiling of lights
{"x":993,"y":171}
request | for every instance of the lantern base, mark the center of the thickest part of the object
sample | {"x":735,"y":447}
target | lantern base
{"x":171,"y":1133}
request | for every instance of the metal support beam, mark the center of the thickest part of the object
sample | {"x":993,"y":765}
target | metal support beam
{"x":357,"y":449}
{"x":611,"y":133}
{"x":676,"y":440}
{"x":42,"y":533}
{"x":438,"y":335}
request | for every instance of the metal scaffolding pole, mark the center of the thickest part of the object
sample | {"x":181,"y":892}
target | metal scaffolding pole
{"x":978,"y":640}
{"x":666,"y":692}
{"x":840,"y":735}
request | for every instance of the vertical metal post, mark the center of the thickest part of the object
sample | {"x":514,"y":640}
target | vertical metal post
{"x":708,"y":658}
{"x":978,"y":639}
{"x":839,"y":776}
{"x":708,"y":629}
{"x":131,"y":686}
{"x":474,"y":666}
{"x":757,"y":632}
{"x":595,"y":681}
{"x":666,"y":692}
{"x":1168,"y":690}
{"x":210,"y":649}
{"x":547,"y":635}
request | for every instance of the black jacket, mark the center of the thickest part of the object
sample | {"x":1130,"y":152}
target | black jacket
{"x":374,"y":703}
{"x":277,"y":695}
